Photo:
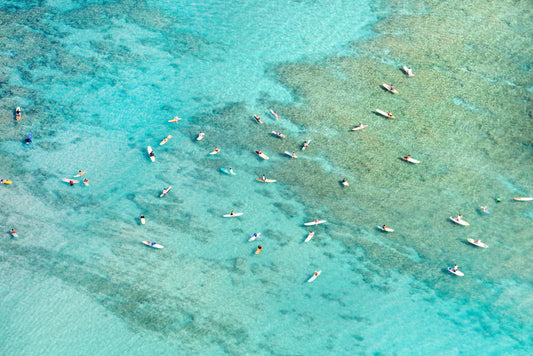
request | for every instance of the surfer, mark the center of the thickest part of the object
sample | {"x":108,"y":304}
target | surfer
{"x":230,"y":171}
{"x":13,"y":232}
{"x":389,"y":114}
{"x":85,"y":181}
{"x":306,"y":144}
{"x":293,"y":155}
{"x":217,"y":150}
{"x":454,"y":269}
{"x":232,"y":213}
{"x":264,"y":178}
{"x":71,"y":182}
{"x":152,"y":154}
{"x":391,"y":88}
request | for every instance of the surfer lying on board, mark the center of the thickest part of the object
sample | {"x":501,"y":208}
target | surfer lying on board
{"x":13,"y":231}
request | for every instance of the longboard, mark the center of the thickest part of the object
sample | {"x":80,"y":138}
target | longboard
{"x":459,"y":221}
{"x":386,"y":86}
{"x":67,"y":180}
{"x":457,"y":273}
{"x":200,"y":137}
{"x":278,"y":134}
{"x":232,"y":216}
{"x":152,"y":244}
{"x":360,"y":127}
{"x":6,"y":181}
{"x":386,"y":229}
{"x":410,"y":160}
{"x":255,"y":236}
{"x":523,"y":199}
{"x":290,"y":155}
{"x":479,"y":243}
{"x":311,"y":223}
{"x":315,"y":276}
{"x":274,"y":114}
{"x":261,"y":154}
{"x":408,"y":72}
{"x":165,"y":140}
{"x":266,"y":180}
{"x":383,"y":113}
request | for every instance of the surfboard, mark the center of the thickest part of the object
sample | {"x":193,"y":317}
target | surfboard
{"x":67,"y":180}
{"x":290,"y":155}
{"x":278,"y":134}
{"x":261,"y":154}
{"x":151,"y":153}
{"x":165,"y":140}
{"x":386,"y":229}
{"x":386,"y":86}
{"x":315,"y":276}
{"x":523,"y":199}
{"x":383,"y":113}
{"x":6,"y":181}
{"x":485,"y":210}
{"x":360,"y":127}
{"x":408,"y":71}
{"x":200,"y":137}
{"x":175,"y":119}
{"x":314,"y":222}
{"x":306,"y":144}
{"x":457,"y":273}
{"x":258,"y":119}
{"x":152,"y":244}
{"x":255,"y":236}
{"x":459,"y":221}
{"x":310,"y":236}
{"x":479,"y":243}
{"x":410,"y":160}
{"x":143,"y":220}
{"x":80,"y":173}
{"x":266,"y":180}
{"x":274,"y":114}
{"x":225,"y":170}
{"x":232,"y":216}
{"x":165,"y":192}
{"x":214,"y":152}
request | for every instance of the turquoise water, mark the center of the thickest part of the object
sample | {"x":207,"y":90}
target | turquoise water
{"x":97,"y":83}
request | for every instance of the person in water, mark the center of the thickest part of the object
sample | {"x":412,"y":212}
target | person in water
{"x":260,"y":247}
{"x":344,"y":180}
{"x":85,"y":181}
{"x":71,"y":182}
{"x":28,"y":139}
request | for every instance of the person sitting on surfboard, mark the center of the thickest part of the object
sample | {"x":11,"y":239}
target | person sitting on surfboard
{"x":152,"y":244}
{"x":264,"y":177}
{"x":384,"y":227}
{"x":293,"y":155}
{"x":232,"y":213}
{"x":217,"y":150}
{"x":71,"y":182}
{"x":407,"y":157}
{"x":152,"y":154}
{"x":13,"y":231}
{"x":306,"y":144}
{"x":230,"y":171}
{"x":389,"y":114}
{"x":391,"y":88}
{"x":454,"y":269}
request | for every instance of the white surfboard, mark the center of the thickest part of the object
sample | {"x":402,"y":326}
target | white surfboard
{"x":315,"y":276}
{"x":386,"y":229}
{"x":408,"y":71}
{"x":410,"y":160}
{"x":67,"y":180}
{"x":274,"y":114}
{"x":290,"y":155}
{"x":278,"y":134}
{"x":457,"y":273}
{"x":151,"y":153}
{"x":523,"y":199}
{"x":310,"y":236}
{"x":459,"y":221}
{"x":232,"y":216}
{"x":360,"y":127}
{"x":311,"y":223}
{"x":152,"y":244}
{"x":255,"y":236}
{"x":165,"y":140}
{"x":200,"y":137}
{"x":383,"y":113}
{"x":478,"y":243}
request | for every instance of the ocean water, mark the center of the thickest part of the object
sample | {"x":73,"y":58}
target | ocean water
{"x":97,"y":82}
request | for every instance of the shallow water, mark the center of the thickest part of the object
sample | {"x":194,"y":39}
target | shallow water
{"x":97,"y":83}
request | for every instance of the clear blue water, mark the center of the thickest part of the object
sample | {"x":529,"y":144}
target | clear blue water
{"x":97,"y":83}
